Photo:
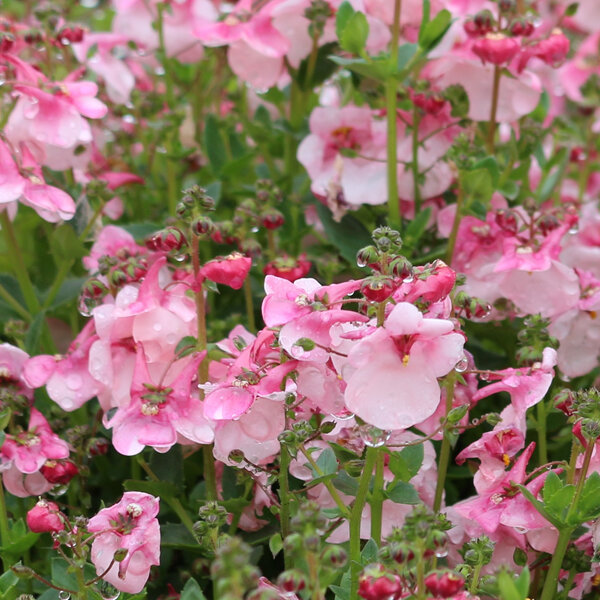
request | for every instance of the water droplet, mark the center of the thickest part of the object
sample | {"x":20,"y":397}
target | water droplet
{"x":58,"y":490}
{"x":84,"y":309}
{"x":461,"y":365}
{"x":408,"y":279}
{"x":129,"y":119}
{"x":171,"y":338}
{"x":574,"y":229}
{"x":157,"y":326}
{"x":161,"y":149}
{"x":563,"y":377}
{"x":373,"y":436}
{"x":254,"y":230}
{"x":360,"y":263}
{"x":89,"y":3}
{"x":180,"y":257}
{"x":159,"y":71}
{"x":74,"y":382}
{"x":344,"y":415}
{"x":64,"y":595}
{"x":485,"y":376}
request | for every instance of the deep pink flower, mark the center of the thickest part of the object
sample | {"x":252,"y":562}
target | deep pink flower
{"x":230,"y":270}
{"x":129,"y":525}
{"x":496,"y":48}
{"x":45,"y":517}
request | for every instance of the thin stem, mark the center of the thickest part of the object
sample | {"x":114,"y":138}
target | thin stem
{"x":421,"y":577}
{"x":377,"y":498}
{"x":391,"y":86}
{"x":494,"y":110}
{"x":415,"y":158}
{"x":575,"y":450}
{"x":13,"y":303}
{"x":569,"y":583}
{"x":541,"y":429}
{"x":445,"y":450}
{"x":356,"y":518}
{"x":284,"y":495}
{"x":455,"y":226}
{"x":552,"y":576}
{"x":332,"y":491}
{"x":249,"y":305}
{"x":174,"y":503}
{"x":475,"y":578}
{"x":4,"y":530}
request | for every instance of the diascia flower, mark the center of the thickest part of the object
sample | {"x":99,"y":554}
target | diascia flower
{"x":131,"y":526}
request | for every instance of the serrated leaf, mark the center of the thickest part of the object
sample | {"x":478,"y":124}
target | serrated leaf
{"x":551,"y":486}
{"x":406,"y":463}
{"x":369,"y":552}
{"x":192,"y":591}
{"x":346,"y":484}
{"x":402,"y":492}
{"x":355,"y":33}
{"x":327,"y":462}
{"x":275,"y":544}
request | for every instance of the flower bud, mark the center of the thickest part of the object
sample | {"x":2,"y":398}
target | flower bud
{"x":445,"y":584}
{"x":202,"y":226}
{"x":378,"y":288}
{"x":369,"y":255}
{"x":6,"y":41}
{"x":554,"y":49}
{"x":547,"y":223}
{"x":496,"y":48}
{"x":292,"y":580}
{"x":376,"y":584}
{"x":334,"y":556}
{"x":170,"y":238}
{"x":45,"y":517}
{"x":272,"y":219}
{"x":59,"y":471}
{"x":229,"y":270}
{"x":507,"y":220}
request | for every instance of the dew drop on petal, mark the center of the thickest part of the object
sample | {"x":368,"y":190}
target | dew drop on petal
{"x":461,"y":365}
{"x":64,"y":595}
{"x":344,"y":415}
{"x":373,"y":436}
{"x":484,"y":376}
{"x":408,"y":279}
{"x":74,"y":382}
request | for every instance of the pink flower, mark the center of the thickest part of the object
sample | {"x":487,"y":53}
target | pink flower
{"x":12,"y":363}
{"x":230,"y":270}
{"x":392,"y":373}
{"x":130,"y":525}
{"x":496,"y":48}
{"x":45,"y":517}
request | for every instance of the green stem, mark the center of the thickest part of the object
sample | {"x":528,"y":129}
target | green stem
{"x":575,"y":446}
{"x":4,"y":529}
{"x":20,"y":269}
{"x":552,"y":576}
{"x":421,"y":577}
{"x":493,"y":110}
{"x":445,"y":450}
{"x":569,"y":583}
{"x":312,"y":62}
{"x":455,"y":226}
{"x":475,"y":579}
{"x":284,"y":497}
{"x":332,"y":491}
{"x":174,"y":503}
{"x":391,"y":84}
{"x":10,"y":300}
{"x":356,"y":518}
{"x":541,"y":429}
{"x":377,"y":498}
{"x":249,"y":305}
{"x":415,"y":159}
{"x":210,"y":475}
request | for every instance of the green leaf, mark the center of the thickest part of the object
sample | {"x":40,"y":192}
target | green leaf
{"x":69,"y":290}
{"x":477,"y":186}
{"x":355,"y":33}
{"x":405,"y":54}
{"x":192,"y":591}
{"x":348,"y":236}
{"x":406,"y":463}
{"x":402,"y":492}
{"x":65,"y":244}
{"x":539,"y":506}
{"x":433,"y":32}
{"x":214,"y":144}
{"x":275,"y":544}
{"x":522,"y":582}
{"x":176,"y":535}
{"x":168,"y":466}
{"x":324,"y":68}
{"x":34,"y":333}
{"x":416,"y":228}
{"x":344,"y":13}
{"x":588,"y":506}
{"x":551,"y":486}
{"x":327,"y":462}
{"x":541,"y":110}
{"x":346,"y":484}
{"x":369,"y":552}
{"x":571,"y":9}
{"x":508,"y":588}
{"x":186,"y":346}
{"x":509,"y":189}
{"x":425,"y":18}
{"x":7,"y":581}
{"x":164,"y":489}
{"x":377,"y":68}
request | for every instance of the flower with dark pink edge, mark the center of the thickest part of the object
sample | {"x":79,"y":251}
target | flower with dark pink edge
{"x":45,"y":517}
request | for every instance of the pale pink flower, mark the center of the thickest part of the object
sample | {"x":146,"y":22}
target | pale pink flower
{"x":399,"y":388}
{"x":12,"y":363}
{"x":129,"y":525}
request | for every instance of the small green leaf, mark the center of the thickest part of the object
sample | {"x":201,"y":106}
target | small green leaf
{"x":214,"y":144}
{"x":571,"y":9}
{"x":354,"y":36}
{"x":433,"y":32}
{"x":157,"y":488}
{"x":186,"y":346}
{"x":275,"y":544}
{"x":343,"y":15}
{"x":327,"y":462}
{"x":406,"y":463}
{"x":369,"y":552}
{"x":346,"y":484}
{"x":405,"y":54}
{"x":551,"y":486}
{"x":508,"y":588}
{"x":402,"y":492}
{"x":377,"y":68}
{"x":192,"y":591}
